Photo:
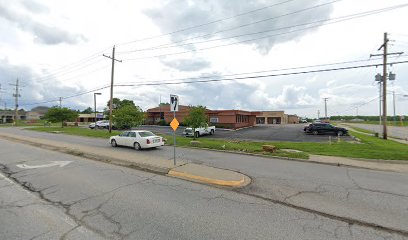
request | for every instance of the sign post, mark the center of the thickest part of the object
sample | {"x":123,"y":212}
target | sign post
{"x":174,"y":102}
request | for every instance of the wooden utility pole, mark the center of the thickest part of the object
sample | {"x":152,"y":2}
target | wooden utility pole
{"x":111,"y":88}
{"x":384,"y":78}
{"x":385,"y":48}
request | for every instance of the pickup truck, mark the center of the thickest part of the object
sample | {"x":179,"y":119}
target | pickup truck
{"x":207,"y":130}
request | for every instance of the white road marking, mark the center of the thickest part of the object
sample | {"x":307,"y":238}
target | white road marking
{"x":52,"y":164}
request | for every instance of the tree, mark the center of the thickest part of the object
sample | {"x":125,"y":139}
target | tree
{"x":196,"y":118}
{"x":117,"y":103}
{"x":89,"y":110}
{"x":57,"y":114}
{"x":128,"y":116}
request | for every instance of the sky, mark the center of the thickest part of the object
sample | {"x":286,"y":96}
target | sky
{"x":250,"y":55}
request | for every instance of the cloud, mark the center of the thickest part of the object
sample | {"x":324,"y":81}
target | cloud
{"x":34,"y":6}
{"x":42,"y":33}
{"x":32,"y":91}
{"x":181,"y":14}
{"x":187,"y":65}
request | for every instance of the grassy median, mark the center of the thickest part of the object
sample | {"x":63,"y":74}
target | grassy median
{"x":368,"y":147}
{"x":85,"y":132}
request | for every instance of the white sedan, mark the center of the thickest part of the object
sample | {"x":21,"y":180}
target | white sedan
{"x":137,"y":139}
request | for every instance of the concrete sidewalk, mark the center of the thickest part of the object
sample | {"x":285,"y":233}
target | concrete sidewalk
{"x":189,"y":171}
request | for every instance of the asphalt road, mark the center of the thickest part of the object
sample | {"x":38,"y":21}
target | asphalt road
{"x":285,"y":133}
{"x":88,"y":200}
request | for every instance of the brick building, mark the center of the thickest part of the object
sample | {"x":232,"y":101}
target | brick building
{"x":222,"y":118}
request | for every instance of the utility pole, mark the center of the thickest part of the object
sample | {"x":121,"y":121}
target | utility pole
{"x":60,"y":102}
{"x":318,"y":114}
{"x":325,"y":107}
{"x":385,"y":47}
{"x":111,"y":88}
{"x":385,"y":54}
{"x":16,"y":95}
{"x":95,"y":127}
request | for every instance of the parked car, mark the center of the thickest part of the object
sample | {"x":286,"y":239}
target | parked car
{"x":100,"y":124}
{"x":305,"y":128}
{"x":325,"y":128}
{"x":206,"y":130}
{"x":138,"y":139}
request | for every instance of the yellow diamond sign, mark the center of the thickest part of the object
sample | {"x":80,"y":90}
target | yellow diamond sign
{"x":174,"y":124}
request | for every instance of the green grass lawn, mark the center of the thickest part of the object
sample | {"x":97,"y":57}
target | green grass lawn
{"x":370,"y":147}
{"x":24,"y":123}
{"x":86,"y":132}
{"x":361,"y":129}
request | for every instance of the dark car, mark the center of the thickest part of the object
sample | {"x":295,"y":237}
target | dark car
{"x":307,"y":127}
{"x":325,"y":128}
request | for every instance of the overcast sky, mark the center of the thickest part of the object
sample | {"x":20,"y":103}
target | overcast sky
{"x":55,"y":49}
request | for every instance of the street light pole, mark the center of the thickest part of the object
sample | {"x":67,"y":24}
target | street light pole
{"x":393,"y":101}
{"x":95,"y":106}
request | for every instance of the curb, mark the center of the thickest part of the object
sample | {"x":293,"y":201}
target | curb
{"x":240,"y":183}
{"x":139,"y":166}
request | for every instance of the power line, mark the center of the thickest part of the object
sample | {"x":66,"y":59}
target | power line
{"x":205,"y":24}
{"x":75,"y":64}
{"x":66,"y":72}
{"x":221,"y":79}
{"x":272,"y":70}
{"x":258,"y":76}
{"x":341,"y":19}
{"x":241,"y":26}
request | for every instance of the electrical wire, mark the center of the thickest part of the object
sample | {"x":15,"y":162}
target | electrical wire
{"x":341,"y":19}
{"x":220,"y":80}
{"x":258,"y":76}
{"x":205,"y":24}
{"x":275,"y":70}
{"x":240,"y":26}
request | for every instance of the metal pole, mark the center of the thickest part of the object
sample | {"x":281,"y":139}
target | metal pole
{"x":95,"y":109}
{"x":174,"y":141}
{"x":393,"y":101}
{"x":380,"y":113}
{"x":160,"y":110}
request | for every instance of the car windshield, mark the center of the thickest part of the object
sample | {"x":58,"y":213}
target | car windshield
{"x":146,"y":134}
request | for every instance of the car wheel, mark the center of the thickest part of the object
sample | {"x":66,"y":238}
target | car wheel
{"x":197,"y":134}
{"x":212,"y":132}
{"x":315,"y":132}
{"x":137,"y":146}
{"x":340,"y":133}
{"x":113,"y":143}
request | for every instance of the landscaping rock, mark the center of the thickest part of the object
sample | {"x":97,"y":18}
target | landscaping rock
{"x":269,"y":148}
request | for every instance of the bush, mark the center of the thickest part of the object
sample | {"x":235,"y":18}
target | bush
{"x":163,"y":123}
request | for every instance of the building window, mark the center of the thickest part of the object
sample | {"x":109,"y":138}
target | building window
{"x":213,"y":119}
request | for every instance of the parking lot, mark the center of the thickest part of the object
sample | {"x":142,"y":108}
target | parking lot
{"x":285,"y":133}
